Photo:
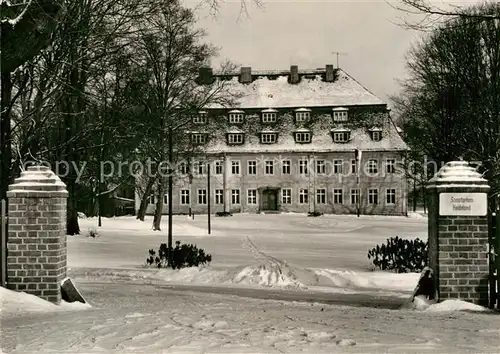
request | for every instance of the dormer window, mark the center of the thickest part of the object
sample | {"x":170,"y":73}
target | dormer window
{"x":198,"y":138}
{"x":269,"y":116}
{"x":235,"y":138}
{"x":268,"y":137}
{"x":302,"y":115}
{"x":341,"y":135}
{"x":236,"y":117}
{"x":340,"y":115}
{"x":376,"y":134}
{"x":302,"y":137}
{"x":201,"y":118}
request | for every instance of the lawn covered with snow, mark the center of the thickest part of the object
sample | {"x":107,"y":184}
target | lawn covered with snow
{"x":327,"y":253}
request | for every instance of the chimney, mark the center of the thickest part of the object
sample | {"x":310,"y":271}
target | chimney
{"x":330,"y":73}
{"x":294,"y":74}
{"x":205,"y":75}
{"x":246,"y":75}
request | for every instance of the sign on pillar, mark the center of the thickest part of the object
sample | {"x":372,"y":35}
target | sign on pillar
{"x":458,"y":233}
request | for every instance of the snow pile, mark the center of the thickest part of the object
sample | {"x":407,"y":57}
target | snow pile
{"x":274,"y":275}
{"x":416,"y":215}
{"x":421,"y":303}
{"x":17,"y":303}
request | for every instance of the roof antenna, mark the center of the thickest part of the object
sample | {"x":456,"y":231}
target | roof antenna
{"x":338,"y":53}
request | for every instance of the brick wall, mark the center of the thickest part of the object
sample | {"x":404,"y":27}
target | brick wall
{"x":36,"y":245}
{"x":463,"y":258}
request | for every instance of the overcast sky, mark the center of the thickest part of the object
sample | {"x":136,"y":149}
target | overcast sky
{"x":305,"y":33}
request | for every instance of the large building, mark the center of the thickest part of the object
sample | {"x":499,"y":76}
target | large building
{"x":295,"y":141}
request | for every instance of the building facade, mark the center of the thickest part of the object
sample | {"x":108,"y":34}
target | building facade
{"x":296,"y":141}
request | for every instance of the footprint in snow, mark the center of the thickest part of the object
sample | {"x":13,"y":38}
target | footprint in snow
{"x":345,"y":342}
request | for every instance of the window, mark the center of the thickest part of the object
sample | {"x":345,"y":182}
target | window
{"x":218,"y":167}
{"x":165,"y":199}
{"x":202,"y":196}
{"x":337,"y":166}
{"x":286,"y":168}
{"x":372,"y":196}
{"x":338,"y":196}
{"x":286,"y":196}
{"x":219,"y":196}
{"x":302,"y":116}
{"x":201,"y":118}
{"x":320,"y":167}
{"x":251,"y":196}
{"x":235,"y":167}
{"x":201,"y":168}
{"x":235,"y":196}
{"x":151,"y":199}
{"x":198,"y":138}
{"x":269,"y":168}
{"x":354,"y":166}
{"x":252,"y":167}
{"x":376,"y":135}
{"x":303,"y":167}
{"x":235,"y":138}
{"x":320,"y":196}
{"x":269,"y":117}
{"x":354,"y":196}
{"x":236,"y":117}
{"x":372,"y":167}
{"x":183,"y":168}
{"x":303,"y":196}
{"x":390,"y":166}
{"x":268,"y":138}
{"x":185,"y":196}
{"x":302,"y":137}
{"x":341,"y":136}
{"x":340,"y":115}
{"x":390,"y":196}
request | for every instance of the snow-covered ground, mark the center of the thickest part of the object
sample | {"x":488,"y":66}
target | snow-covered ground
{"x":128,"y":318}
{"x":303,"y":264}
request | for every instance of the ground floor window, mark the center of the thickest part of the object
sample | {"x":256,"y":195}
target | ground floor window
{"x":251,"y":196}
{"x":235,"y":196}
{"x":390,"y":196}
{"x":354,"y":196}
{"x":151,"y":199}
{"x":219,"y":196}
{"x":202,"y":196}
{"x":303,"y":196}
{"x":165,"y":199}
{"x":320,"y":196}
{"x":337,"y":196}
{"x":185,"y":196}
{"x":372,"y":196}
{"x":286,"y":196}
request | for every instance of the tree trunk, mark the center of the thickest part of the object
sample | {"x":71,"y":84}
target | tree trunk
{"x":5,"y":135}
{"x":159,"y":206}
{"x":141,"y":214}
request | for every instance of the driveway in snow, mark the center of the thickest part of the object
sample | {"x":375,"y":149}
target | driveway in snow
{"x":128,"y":318}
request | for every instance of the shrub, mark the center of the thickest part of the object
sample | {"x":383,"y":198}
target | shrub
{"x":400,"y":255}
{"x":182,"y":256}
{"x":223,"y":213}
{"x":314,"y":213}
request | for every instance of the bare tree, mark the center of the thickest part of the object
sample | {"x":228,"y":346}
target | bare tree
{"x":426,"y":15}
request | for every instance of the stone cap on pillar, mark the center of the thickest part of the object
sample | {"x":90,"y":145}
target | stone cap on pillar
{"x":39,"y":180}
{"x":458,"y":174}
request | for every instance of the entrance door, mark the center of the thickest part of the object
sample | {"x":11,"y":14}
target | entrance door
{"x":270,"y":199}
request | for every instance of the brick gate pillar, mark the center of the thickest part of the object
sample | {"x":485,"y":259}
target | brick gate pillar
{"x":458,"y":233}
{"x":36,"y":245}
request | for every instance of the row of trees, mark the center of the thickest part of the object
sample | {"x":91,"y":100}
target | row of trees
{"x":450,"y":104}
{"x":103,"y":80}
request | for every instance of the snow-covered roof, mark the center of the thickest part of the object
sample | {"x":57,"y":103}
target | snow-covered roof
{"x":312,"y":91}
{"x":300,"y":130}
{"x":375,"y":129}
{"x":269,"y":110}
{"x":268,"y":131}
{"x":339,"y":109}
{"x":340,"y":130}
{"x":235,"y":131}
{"x":236,"y":111}
{"x":302,"y":110}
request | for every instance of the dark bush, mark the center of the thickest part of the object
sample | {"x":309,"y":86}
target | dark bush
{"x":314,"y":213}
{"x":182,"y":256}
{"x":400,"y":255}
{"x":223,"y":213}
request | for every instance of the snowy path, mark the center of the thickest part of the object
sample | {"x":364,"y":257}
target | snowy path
{"x":129,"y":318}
